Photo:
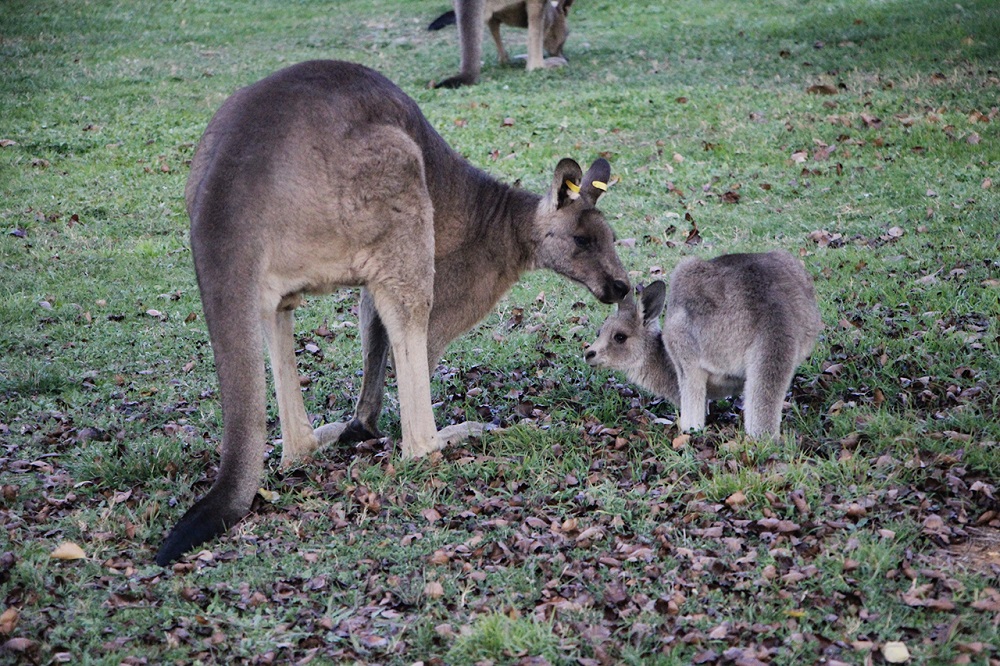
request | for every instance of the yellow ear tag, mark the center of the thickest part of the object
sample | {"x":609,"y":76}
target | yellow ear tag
{"x":574,"y":189}
{"x":600,"y":185}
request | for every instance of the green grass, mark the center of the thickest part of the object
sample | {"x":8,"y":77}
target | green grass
{"x":581,"y":533}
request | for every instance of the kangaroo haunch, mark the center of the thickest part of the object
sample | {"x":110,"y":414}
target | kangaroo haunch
{"x":739,"y":323}
{"x":326,"y":175}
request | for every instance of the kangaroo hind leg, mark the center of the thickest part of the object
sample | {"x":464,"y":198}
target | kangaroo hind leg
{"x":768,"y":378}
{"x":297,"y":436}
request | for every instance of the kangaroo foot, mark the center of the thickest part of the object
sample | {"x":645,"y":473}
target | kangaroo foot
{"x":295,"y":450}
{"x":452,"y":434}
{"x":547,"y":63}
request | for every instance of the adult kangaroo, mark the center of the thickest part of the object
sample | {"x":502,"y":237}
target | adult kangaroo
{"x":546,"y":21}
{"x":324,"y":175}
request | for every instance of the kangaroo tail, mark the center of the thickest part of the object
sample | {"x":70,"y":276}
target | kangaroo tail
{"x":443,"y":21}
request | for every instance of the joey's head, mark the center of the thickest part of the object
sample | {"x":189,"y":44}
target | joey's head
{"x":571,"y":235}
{"x":621,"y":343}
{"x":556,"y":26}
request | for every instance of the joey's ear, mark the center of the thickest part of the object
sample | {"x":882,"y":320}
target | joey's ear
{"x":595,"y":182}
{"x":627,"y":304}
{"x":565,"y":184}
{"x":652,"y":299}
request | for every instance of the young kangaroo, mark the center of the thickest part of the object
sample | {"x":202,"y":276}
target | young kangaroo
{"x":324,"y":175}
{"x":544,"y":19}
{"x":739,"y":323}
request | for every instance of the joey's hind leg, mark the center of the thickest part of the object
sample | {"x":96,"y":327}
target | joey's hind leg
{"x":693,"y":383}
{"x":768,"y":379}
{"x":297,"y":436}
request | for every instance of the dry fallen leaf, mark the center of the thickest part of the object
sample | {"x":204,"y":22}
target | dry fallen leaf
{"x":8,"y":621}
{"x":736,"y":499}
{"x":895,"y":652}
{"x":269,"y":495}
{"x":434,"y":590}
{"x":68,"y":550}
{"x":822,"y":89}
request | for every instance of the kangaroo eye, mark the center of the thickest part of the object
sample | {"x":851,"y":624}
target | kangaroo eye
{"x":620,"y":338}
{"x":582,"y":242}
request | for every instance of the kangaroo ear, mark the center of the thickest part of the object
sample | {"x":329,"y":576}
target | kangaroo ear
{"x":565,"y":184}
{"x":652,"y":299}
{"x":627,"y":304}
{"x":595,"y":183}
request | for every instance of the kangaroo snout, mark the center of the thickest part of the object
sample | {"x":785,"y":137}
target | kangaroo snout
{"x":614,"y":291}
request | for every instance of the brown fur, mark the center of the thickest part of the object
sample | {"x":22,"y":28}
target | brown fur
{"x":740,"y":323}
{"x":326,"y":175}
{"x":547,"y":31}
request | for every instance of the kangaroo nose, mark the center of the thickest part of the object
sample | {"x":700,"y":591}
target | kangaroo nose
{"x":590,"y":354}
{"x":620,"y":289}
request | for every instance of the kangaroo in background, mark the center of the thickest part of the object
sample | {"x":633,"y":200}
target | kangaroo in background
{"x":323,"y":175}
{"x":739,"y":323}
{"x":544,"y":19}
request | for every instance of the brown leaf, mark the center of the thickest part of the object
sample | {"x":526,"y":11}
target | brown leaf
{"x":430,"y":515}
{"x":693,"y":237}
{"x":434,"y":590}
{"x":18,"y":645}
{"x":68,"y":550}
{"x":822,"y":89}
{"x":8,"y":621}
{"x":871,"y":121}
{"x":719,"y":632}
{"x":736,"y":499}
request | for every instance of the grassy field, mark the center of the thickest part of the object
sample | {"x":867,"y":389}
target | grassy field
{"x":861,"y":135}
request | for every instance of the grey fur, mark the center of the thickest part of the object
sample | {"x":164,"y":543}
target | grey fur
{"x":739,"y":323}
{"x":325,"y":175}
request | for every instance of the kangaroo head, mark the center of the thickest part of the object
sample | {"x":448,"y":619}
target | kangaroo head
{"x":573,"y":238}
{"x":621,"y":342}
{"x":556,"y":26}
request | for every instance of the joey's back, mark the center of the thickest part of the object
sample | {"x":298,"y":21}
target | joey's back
{"x":733,"y":302}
